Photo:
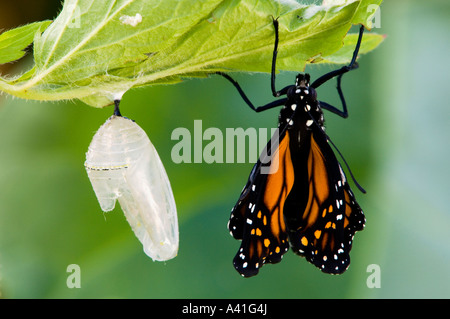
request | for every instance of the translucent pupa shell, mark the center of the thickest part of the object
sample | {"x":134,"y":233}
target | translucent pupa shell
{"x":123,"y":164}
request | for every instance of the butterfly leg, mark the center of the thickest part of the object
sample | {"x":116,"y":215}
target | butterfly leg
{"x":283,"y":91}
{"x":353,"y":65}
{"x":339,"y":73}
{"x":246,"y":99}
{"x":275,"y":93}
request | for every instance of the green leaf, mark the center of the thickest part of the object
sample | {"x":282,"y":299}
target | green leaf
{"x":96,"y":50}
{"x":13,"y":42}
{"x":371,"y":41}
{"x":366,"y":11}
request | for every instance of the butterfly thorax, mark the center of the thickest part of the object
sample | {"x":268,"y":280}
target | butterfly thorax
{"x":301,"y":110}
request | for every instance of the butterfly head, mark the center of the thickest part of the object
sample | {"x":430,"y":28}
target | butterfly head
{"x":303,"y":97}
{"x":302,"y":80}
{"x":302,"y":90}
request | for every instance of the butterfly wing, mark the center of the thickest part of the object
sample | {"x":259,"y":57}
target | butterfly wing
{"x":322,"y":223}
{"x":257,"y":218}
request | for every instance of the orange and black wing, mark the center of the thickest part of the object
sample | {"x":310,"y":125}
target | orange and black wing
{"x":322,"y":214}
{"x":257,"y":219}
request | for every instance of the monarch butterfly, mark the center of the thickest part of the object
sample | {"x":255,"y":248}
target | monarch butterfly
{"x":306,"y":203}
{"x":123,"y":164}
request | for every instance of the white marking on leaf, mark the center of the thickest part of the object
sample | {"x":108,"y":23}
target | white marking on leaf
{"x":133,"y":21}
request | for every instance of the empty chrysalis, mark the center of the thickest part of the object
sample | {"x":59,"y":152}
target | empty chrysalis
{"x":123,"y":164}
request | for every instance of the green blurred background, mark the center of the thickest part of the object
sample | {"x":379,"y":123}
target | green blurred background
{"x":396,"y":141}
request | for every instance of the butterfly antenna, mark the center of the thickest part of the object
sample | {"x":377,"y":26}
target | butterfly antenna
{"x":348,"y":168}
{"x":340,"y":154}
